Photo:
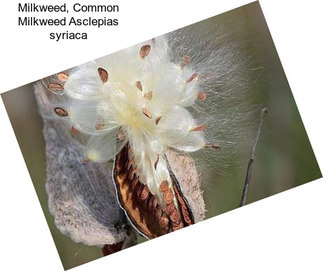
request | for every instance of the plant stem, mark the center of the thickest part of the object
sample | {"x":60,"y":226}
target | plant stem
{"x":252,"y":159}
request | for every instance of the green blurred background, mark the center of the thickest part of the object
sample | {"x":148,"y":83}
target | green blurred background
{"x":284,"y":157}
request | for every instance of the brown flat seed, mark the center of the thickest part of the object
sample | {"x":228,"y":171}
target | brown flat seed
{"x":139,"y":188}
{"x":139,"y":85}
{"x":150,"y":203}
{"x":201,"y":96}
{"x":132,"y":172}
{"x":177,"y":227}
{"x":156,"y":163}
{"x":170,"y":208}
{"x":144,"y":51}
{"x":120,"y":134}
{"x":62,"y":76}
{"x":100,"y":124}
{"x":187,"y":219}
{"x":213,"y":146}
{"x":129,"y":165}
{"x":134,"y":183}
{"x":148,"y":95}
{"x":155,"y":202}
{"x":61,"y":112}
{"x":168,"y":197}
{"x":103,"y":75}
{"x":199,"y":128}
{"x":146,"y":112}
{"x":55,"y":87}
{"x":175,"y":223}
{"x":75,"y":131}
{"x":158,"y":212}
{"x":185,"y":61}
{"x":163,"y":222}
{"x":157,"y":120}
{"x":174,"y":216}
{"x":192,"y":77}
{"x":163,"y":186}
{"x":144,"y":193}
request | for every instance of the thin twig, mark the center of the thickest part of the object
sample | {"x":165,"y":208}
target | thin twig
{"x":251,"y":160}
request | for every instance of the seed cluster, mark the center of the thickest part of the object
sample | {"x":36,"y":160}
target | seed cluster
{"x":147,"y":102}
{"x":143,"y":208}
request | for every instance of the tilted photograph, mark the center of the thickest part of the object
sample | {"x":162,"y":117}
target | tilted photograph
{"x":161,"y":135}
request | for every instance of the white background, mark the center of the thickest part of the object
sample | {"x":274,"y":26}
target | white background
{"x":292,"y":220}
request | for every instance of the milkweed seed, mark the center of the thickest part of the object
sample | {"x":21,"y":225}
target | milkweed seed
{"x":140,"y":187}
{"x":155,"y":202}
{"x":139,"y":85}
{"x":144,"y":193}
{"x":62,"y":76}
{"x":158,"y":212}
{"x":170,"y":208}
{"x":163,"y":186}
{"x":103,"y":75}
{"x":213,"y":146}
{"x":174,"y":216}
{"x":185,"y":61}
{"x":157,"y":120}
{"x":132,"y":172}
{"x":146,"y":112}
{"x":150,"y":202}
{"x":149,"y":95}
{"x":168,"y":196}
{"x":156,"y":163}
{"x":100,"y":124}
{"x":55,"y":87}
{"x":61,"y":112}
{"x":144,"y":51}
{"x":199,"y":128}
{"x":75,"y":131}
{"x":163,"y":222}
{"x":192,"y":77}
{"x":134,"y":183}
{"x":129,"y":165}
{"x":201,"y":96}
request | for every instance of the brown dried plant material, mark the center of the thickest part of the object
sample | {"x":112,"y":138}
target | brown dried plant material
{"x":56,"y":87}
{"x":103,"y":75}
{"x":144,"y":51}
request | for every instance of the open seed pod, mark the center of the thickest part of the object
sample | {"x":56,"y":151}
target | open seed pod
{"x":182,"y":202}
{"x":84,"y":201}
{"x":130,"y":108}
{"x":81,"y":197}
